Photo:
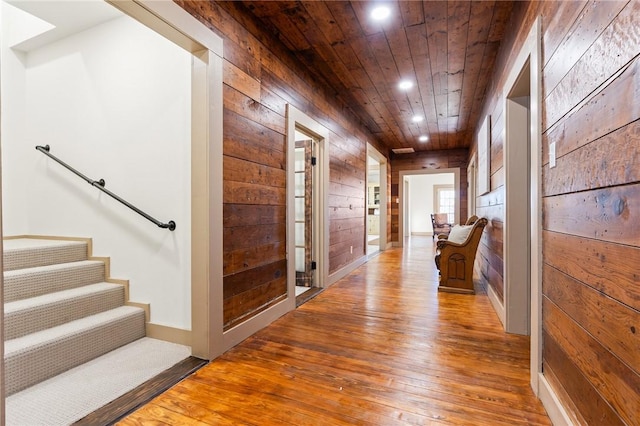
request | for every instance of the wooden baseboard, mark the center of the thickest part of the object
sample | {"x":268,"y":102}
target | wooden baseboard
{"x":169,"y":334}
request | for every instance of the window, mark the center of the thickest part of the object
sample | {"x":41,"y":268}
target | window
{"x":445,"y":200}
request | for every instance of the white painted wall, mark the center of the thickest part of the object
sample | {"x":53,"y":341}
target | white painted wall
{"x":114,"y":102}
{"x":421,"y":203}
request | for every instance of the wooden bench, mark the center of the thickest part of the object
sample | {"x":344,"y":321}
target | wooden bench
{"x":455,"y":259}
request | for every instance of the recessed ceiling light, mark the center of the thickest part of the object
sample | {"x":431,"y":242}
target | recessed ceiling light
{"x":379,"y":13}
{"x":405,"y":84}
{"x":423,"y":138}
{"x":417,"y":118}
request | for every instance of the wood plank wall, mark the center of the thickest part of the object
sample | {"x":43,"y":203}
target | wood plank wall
{"x":426,"y":160}
{"x":591,"y":201}
{"x":260,"y":79}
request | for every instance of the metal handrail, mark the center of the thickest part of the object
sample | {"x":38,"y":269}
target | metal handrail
{"x":171,"y":225}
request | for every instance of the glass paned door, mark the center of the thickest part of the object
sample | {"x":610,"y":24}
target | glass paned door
{"x":304,"y":213}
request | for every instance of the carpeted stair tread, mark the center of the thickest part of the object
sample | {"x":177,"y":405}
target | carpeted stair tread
{"x":20,"y":253}
{"x":38,"y":356}
{"x":25,"y":316}
{"x":31,"y":282}
{"x":70,"y":396}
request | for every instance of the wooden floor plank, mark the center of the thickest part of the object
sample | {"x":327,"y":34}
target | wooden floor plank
{"x":381,"y":346}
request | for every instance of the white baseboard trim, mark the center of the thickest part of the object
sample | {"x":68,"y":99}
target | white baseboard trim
{"x":496,"y":303}
{"x":551,"y":403}
{"x":343,"y":272}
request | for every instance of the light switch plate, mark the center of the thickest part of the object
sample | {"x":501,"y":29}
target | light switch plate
{"x":552,"y":154}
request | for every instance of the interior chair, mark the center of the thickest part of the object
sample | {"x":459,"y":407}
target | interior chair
{"x":440,"y":224}
{"x":455,"y":257}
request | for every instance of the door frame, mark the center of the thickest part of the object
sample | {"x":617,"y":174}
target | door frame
{"x":297,"y":119}
{"x":402,"y":198}
{"x":180,"y":27}
{"x":176,"y":25}
{"x":517,"y":217}
{"x":530,"y":57}
{"x":516,"y":292}
{"x":383,"y":162}
{"x":472,"y":189}
{"x":309,"y":172}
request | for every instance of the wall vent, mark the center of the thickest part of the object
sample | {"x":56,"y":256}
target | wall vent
{"x":403,"y":150}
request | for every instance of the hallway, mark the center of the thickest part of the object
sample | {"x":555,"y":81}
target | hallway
{"x":380,"y":347}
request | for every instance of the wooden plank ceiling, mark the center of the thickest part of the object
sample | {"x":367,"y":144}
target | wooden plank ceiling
{"x":446,"y":49}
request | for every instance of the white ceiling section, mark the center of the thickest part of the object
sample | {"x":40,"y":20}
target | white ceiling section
{"x":46,"y":21}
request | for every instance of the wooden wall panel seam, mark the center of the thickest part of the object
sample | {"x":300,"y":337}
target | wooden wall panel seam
{"x":582,"y":169}
{"x":598,"y":62}
{"x":567,"y":380}
{"x":607,"y":267}
{"x":611,"y":323}
{"x":608,"y":214}
{"x":598,"y":114}
{"x":588,"y":26}
{"x":615,"y":382}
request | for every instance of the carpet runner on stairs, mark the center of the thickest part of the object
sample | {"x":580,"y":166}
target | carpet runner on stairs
{"x":60,"y":313}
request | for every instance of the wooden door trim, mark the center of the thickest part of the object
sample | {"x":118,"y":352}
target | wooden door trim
{"x":401,"y":200}
{"x":384,"y":213}
{"x":297,"y":119}
{"x":471,"y":185}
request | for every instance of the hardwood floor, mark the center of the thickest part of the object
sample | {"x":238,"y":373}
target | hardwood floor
{"x":380,"y":347}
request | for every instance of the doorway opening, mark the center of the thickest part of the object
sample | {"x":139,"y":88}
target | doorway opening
{"x":517,"y":238}
{"x":305,"y":178}
{"x":423,"y":193}
{"x":92,"y":52}
{"x":195,"y":117}
{"x":373,"y":206}
{"x":522,"y":308}
{"x":376,"y":203}
{"x":471,"y":186}
{"x":307,"y":223}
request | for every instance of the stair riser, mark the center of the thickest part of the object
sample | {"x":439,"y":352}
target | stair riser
{"x":34,"y":364}
{"x":21,"y":323}
{"x":43,"y":256}
{"x":32,"y":284}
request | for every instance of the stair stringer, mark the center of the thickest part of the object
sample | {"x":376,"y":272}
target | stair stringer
{"x":125,"y":283}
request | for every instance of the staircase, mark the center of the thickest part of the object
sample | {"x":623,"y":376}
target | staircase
{"x":73,"y":344}
{"x":59,"y":311}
